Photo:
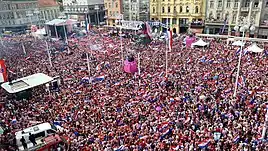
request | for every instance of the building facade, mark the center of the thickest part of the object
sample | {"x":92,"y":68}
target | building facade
{"x":263,"y":30}
{"x":48,"y":10}
{"x":114,"y":9}
{"x":179,"y":14}
{"x":18,"y":15}
{"x":136,"y":10}
{"x":223,"y":15}
{"x":92,"y":11}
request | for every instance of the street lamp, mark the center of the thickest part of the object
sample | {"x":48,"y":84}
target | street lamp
{"x":244,"y":24}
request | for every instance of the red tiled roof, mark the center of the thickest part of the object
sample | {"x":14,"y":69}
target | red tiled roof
{"x":47,"y":3}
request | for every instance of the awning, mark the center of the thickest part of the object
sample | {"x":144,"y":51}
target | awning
{"x":61,"y":22}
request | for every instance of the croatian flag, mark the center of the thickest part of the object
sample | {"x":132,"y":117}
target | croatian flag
{"x":148,"y":30}
{"x":166,"y":133}
{"x":163,"y":126}
{"x":203,"y":144}
{"x":169,"y":39}
{"x":236,"y":139}
{"x":85,"y":79}
{"x":241,"y":81}
{"x":99,"y":78}
{"x":121,"y":148}
{"x":3,"y":71}
{"x":179,"y":146}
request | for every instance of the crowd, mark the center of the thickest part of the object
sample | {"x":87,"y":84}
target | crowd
{"x":193,"y":108}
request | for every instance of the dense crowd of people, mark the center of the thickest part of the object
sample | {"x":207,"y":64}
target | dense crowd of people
{"x":192,"y":108}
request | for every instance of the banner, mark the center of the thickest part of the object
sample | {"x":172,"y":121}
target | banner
{"x":3,"y":71}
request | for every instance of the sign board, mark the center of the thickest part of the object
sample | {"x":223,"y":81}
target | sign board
{"x":135,"y":25}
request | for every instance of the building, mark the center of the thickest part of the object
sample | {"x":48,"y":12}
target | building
{"x":18,"y":15}
{"x":48,"y":10}
{"x":114,"y":9}
{"x":223,"y":15}
{"x":92,"y":11}
{"x":180,"y":14}
{"x":136,"y":10}
{"x":263,"y":30}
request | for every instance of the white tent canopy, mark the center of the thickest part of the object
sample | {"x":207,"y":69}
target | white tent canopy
{"x":255,"y":48}
{"x":200,"y":42}
{"x":238,"y":43}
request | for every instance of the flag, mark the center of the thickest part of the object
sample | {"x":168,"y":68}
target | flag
{"x":121,"y":148}
{"x":87,"y":24}
{"x":148,"y":30}
{"x":236,"y":139}
{"x":169,"y":39}
{"x":241,"y":81}
{"x":203,"y":144}
{"x":3,"y":71}
{"x":163,"y":126}
{"x":85,"y":80}
{"x":225,"y":22}
{"x":99,"y":78}
{"x":166,"y":133}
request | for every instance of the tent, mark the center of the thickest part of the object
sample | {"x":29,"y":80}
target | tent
{"x":255,"y":48}
{"x":200,"y":43}
{"x":238,"y":43}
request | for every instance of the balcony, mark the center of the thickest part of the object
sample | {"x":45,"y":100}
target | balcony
{"x":255,"y":9}
{"x":244,"y":9}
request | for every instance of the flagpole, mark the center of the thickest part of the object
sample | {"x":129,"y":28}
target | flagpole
{"x":121,"y":46}
{"x":48,"y":53}
{"x":88,"y":65}
{"x":23,"y":48}
{"x":56,"y":32}
{"x":66,"y":39}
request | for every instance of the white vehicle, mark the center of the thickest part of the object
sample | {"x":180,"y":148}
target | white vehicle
{"x":39,"y":131}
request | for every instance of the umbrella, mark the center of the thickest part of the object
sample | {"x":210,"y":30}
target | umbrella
{"x":158,"y":108}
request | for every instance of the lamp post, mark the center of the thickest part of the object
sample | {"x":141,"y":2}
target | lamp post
{"x":97,"y":8}
{"x":244,"y":24}
{"x":118,"y":21}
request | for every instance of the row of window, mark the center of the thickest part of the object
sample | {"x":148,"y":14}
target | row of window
{"x":18,"y":6}
{"x":187,"y":9}
{"x":228,"y":3}
{"x":113,"y":5}
{"x":113,"y":13}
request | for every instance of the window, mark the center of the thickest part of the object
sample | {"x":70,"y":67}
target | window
{"x":210,"y":15}
{"x":39,"y":135}
{"x":196,"y":9}
{"x":180,"y":9}
{"x":174,"y":21}
{"x":187,"y":9}
{"x":220,"y":3}
{"x":218,"y":16}
{"x":168,"y":9}
{"x":50,"y":132}
{"x":116,"y":5}
{"x":109,"y":5}
{"x":256,"y":4}
{"x":228,"y":5}
{"x":153,"y":9}
{"x":110,"y":13}
{"x":247,"y":3}
{"x":163,"y":9}
{"x":266,"y":4}
{"x":234,"y":18}
{"x":105,"y":5}
{"x":211,"y":4}
{"x":175,"y":9}
{"x":236,"y":4}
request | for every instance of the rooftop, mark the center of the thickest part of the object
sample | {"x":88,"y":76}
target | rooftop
{"x":47,"y":3}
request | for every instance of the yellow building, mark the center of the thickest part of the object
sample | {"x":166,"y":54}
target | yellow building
{"x":113,"y":10}
{"x":180,"y":14}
